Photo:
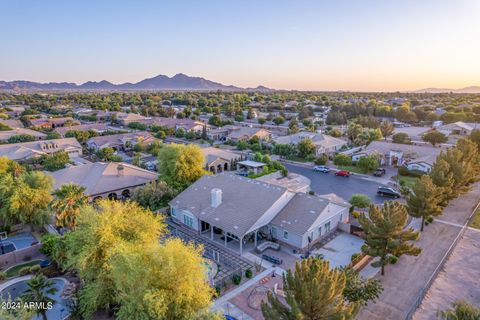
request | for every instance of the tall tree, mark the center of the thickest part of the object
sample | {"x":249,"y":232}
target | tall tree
{"x":28,"y":197}
{"x":148,"y":292}
{"x":306,"y":148}
{"x":434,"y":137}
{"x":475,"y":137}
{"x":387,"y":128}
{"x":180,"y":165}
{"x":67,"y":204}
{"x":424,"y":200}
{"x":443,"y":180}
{"x":101,"y":234}
{"x":313,"y":292}
{"x":359,"y":289}
{"x":386,"y":237}
{"x":39,"y":290}
{"x":470,"y":158}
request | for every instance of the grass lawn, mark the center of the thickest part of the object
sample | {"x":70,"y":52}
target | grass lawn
{"x":475,"y":222}
{"x":409,"y":181}
{"x":13,"y":271}
{"x":354,"y":169}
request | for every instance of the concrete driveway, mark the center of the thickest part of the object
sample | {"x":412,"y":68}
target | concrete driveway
{"x":323,"y":183}
{"x":339,"y":251}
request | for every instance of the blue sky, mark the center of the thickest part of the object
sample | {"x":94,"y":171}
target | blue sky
{"x":324,"y":45}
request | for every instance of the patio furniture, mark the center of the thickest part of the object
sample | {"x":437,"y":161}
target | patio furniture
{"x":272,"y":259}
{"x":268,"y":245}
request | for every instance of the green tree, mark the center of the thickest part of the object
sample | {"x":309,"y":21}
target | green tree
{"x":434,"y":137}
{"x":180,"y":165}
{"x":387,"y":128}
{"x":69,"y":199}
{"x":359,"y":200}
{"x":424,"y":200}
{"x":39,"y":290}
{"x":204,"y":132}
{"x":385,"y":234}
{"x":442,"y":177}
{"x":368,"y":163}
{"x":148,"y":292}
{"x":470,"y":159}
{"x":284,"y":150}
{"x":313,"y":292}
{"x":4,"y":127}
{"x":475,"y":137}
{"x":242,"y":145}
{"x":261,"y":121}
{"x":278,"y":120}
{"x":153,"y":195}
{"x":306,"y":148}
{"x":401,"y":137}
{"x":53,"y":135}
{"x":26,"y":197}
{"x":55,"y":161}
{"x":341,"y":159}
{"x":21,"y":138}
{"x":461,"y":311}
{"x":359,"y":289}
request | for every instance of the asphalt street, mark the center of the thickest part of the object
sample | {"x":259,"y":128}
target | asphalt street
{"x":322,"y":183}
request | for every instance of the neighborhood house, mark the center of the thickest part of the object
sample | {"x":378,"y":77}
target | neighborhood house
{"x":240,"y":213}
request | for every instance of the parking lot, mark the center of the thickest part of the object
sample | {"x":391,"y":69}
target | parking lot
{"x":322,"y":183}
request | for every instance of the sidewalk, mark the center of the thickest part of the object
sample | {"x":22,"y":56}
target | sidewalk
{"x":404,"y":282}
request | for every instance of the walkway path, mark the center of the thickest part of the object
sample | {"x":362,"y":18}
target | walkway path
{"x":404,"y":282}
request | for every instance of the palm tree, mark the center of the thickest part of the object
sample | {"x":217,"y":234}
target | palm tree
{"x":69,"y":199}
{"x":39,"y":290}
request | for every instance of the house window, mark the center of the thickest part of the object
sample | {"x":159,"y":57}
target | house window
{"x":285,"y":235}
{"x":327,"y":227}
{"x":188,"y":220}
{"x":173,"y":212}
{"x":274,"y":232}
{"x":319,"y":231}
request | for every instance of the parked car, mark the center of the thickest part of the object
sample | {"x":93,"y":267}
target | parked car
{"x":379,"y":172}
{"x":343,"y":173}
{"x":388,"y":192}
{"x":324,"y":169}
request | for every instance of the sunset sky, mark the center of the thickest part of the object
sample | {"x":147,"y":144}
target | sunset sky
{"x":306,"y":45}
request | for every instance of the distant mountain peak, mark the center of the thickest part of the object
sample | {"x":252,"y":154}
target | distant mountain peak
{"x":180,"y":81}
{"x":470,"y":89}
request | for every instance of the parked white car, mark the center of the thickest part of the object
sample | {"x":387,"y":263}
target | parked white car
{"x":323,"y":169}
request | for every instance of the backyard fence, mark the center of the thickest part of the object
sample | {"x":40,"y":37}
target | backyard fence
{"x":17,"y":256}
{"x":439,"y":267}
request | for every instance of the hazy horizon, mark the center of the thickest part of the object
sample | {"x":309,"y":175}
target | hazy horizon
{"x":303,"y":45}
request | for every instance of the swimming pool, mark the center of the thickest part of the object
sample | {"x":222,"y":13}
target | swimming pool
{"x":18,"y":241}
{"x":60,"y":308}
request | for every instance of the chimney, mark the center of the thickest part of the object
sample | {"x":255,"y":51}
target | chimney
{"x":120,"y":170}
{"x":216,"y":197}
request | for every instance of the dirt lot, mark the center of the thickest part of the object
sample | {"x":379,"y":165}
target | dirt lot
{"x":451,"y":285}
{"x":404,"y":281}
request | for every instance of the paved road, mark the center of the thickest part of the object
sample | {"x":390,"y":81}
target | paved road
{"x":404,"y":281}
{"x":323,"y":183}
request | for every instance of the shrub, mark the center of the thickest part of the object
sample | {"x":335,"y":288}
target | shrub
{"x":354,"y":256}
{"x":48,"y":244}
{"x":342,"y":160}
{"x":3,"y":276}
{"x":36,"y":268}
{"x":24,"y":271}
{"x":27,"y":258}
{"x":248,"y":273}
{"x":236,"y":279}
{"x":403,"y":171}
{"x":311,"y":192}
{"x":322,"y":160}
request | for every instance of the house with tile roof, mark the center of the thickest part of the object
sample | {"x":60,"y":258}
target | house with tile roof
{"x":113,"y":180}
{"x":324,"y":144}
{"x":5,"y":135}
{"x":29,"y":150}
{"x":122,"y":141}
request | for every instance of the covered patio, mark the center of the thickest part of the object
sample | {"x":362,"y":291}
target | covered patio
{"x":232,"y":239}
